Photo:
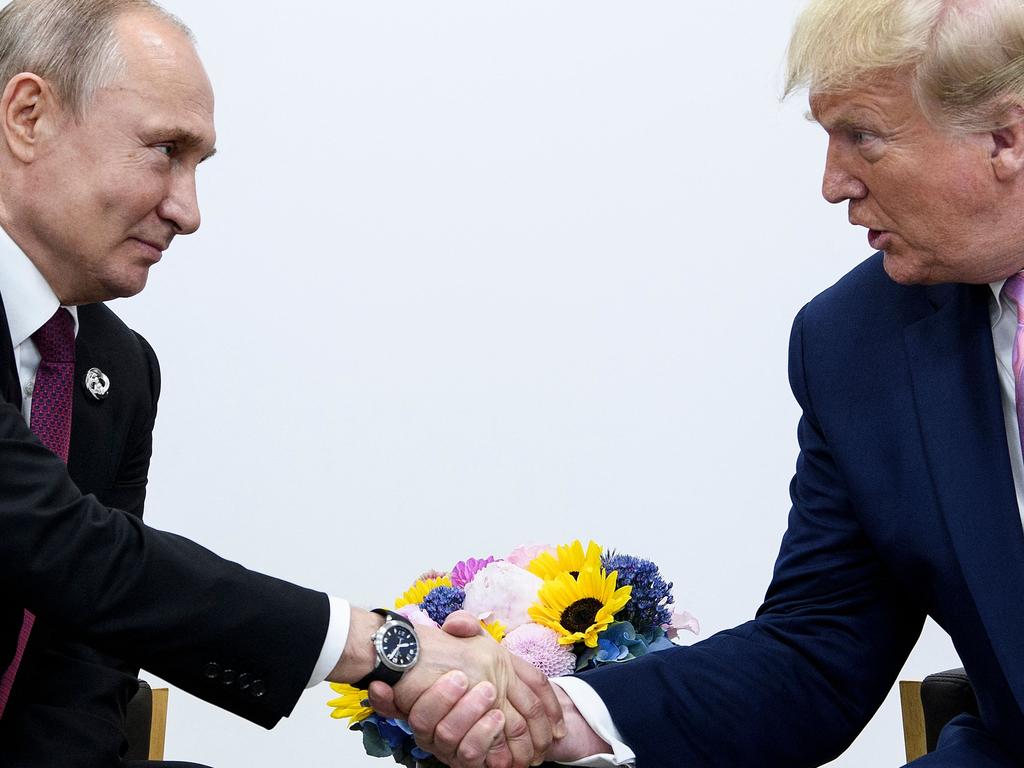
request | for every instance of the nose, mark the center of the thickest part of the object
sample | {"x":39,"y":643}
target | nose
{"x":838,"y":183}
{"x":181,"y":204}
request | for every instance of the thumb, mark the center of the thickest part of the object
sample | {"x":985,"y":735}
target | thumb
{"x":462,"y":624}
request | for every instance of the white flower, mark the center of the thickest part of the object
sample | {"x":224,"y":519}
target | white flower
{"x":502,"y":592}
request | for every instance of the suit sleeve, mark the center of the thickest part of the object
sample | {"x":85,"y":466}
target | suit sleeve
{"x":238,"y":639}
{"x":796,"y":685}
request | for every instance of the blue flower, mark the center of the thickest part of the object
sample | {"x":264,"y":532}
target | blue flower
{"x":441,"y":602}
{"x":651,"y":603}
{"x":608,"y":651}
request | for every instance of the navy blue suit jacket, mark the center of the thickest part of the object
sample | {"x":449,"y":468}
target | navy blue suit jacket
{"x":903,"y":506}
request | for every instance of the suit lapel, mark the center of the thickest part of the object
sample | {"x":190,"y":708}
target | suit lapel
{"x":956,"y":390}
{"x":10,"y":386}
{"x":92,"y":443}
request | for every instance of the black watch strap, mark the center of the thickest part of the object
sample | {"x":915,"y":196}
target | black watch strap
{"x":381,"y":671}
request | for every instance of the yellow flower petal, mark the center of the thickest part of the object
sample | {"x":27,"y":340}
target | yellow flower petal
{"x":415,"y":594}
{"x":495,"y":629}
{"x":570,"y":558}
{"x":563,"y":593}
{"x":349,"y":704}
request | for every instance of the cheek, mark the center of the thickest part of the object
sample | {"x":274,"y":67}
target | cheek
{"x":127,"y":199}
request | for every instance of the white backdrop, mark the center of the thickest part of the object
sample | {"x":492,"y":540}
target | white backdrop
{"x":474,"y":274}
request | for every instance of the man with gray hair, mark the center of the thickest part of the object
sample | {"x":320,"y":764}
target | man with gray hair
{"x":106,"y":113}
{"x":909,"y":487}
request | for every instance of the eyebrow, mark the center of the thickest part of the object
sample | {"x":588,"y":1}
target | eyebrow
{"x":190,"y":139}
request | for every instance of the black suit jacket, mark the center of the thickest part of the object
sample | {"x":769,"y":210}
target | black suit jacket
{"x":69,"y":701}
{"x":98,"y":576}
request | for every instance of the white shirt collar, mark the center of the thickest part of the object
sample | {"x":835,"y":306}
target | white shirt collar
{"x":997,"y":292}
{"x":28,"y":299}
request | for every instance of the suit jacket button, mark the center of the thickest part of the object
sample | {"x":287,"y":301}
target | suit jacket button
{"x":228,"y":678}
{"x":212,"y":670}
{"x":257,"y":689}
{"x":244,"y":681}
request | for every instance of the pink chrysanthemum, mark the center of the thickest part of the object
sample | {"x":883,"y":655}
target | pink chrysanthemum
{"x":464,"y":571}
{"x":539,"y":646}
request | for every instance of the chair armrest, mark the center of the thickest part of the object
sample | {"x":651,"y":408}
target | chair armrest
{"x":139,"y":723}
{"x":944,"y":695}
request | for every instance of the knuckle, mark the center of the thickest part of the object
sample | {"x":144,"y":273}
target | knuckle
{"x":470,"y":753}
{"x":419,"y":722}
{"x":445,"y":734}
{"x":516,"y":728}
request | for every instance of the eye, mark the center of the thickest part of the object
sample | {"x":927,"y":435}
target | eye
{"x":165,"y":149}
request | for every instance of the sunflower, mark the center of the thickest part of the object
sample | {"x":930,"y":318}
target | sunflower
{"x":579,"y":609}
{"x":418,"y":592}
{"x":495,"y":629}
{"x":351,"y":704}
{"x":571,"y":559}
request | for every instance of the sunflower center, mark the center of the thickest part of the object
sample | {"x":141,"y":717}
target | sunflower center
{"x":581,"y":615}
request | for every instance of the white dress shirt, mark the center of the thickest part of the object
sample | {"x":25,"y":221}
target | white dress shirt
{"x":1003,"y":317}
{"x":30,"y":302}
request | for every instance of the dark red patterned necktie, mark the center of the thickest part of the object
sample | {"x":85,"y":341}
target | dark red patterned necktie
{"x":51,"y":422}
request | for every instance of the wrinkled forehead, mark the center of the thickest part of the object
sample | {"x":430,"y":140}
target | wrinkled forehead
{"x":883,"y":96}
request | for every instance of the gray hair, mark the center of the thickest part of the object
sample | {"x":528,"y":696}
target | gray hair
{"x":965,"y":57}
{"x":72,"y":44}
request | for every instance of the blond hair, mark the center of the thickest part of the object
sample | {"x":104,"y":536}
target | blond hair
{"x":72,"y":44}
{"x":965,"y":58}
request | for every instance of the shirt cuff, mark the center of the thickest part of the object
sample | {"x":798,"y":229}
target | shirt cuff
{"x":594,"y":711}
{"x":334,"y":643}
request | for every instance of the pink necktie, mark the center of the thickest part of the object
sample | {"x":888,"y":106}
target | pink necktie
{"x":51,"y":422}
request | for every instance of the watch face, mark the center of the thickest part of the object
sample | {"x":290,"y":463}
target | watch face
{"x":399,"y":647}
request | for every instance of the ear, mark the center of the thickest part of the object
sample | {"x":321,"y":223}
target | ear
{"x":1007,"y":146}
{"x":28,"y":110}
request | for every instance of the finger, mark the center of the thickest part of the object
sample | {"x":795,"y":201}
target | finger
{"x":466,"y":713}
{"x":480,"y":743}
{"x":382,"y":699}
{"x":433,"y":705}
{"x":520,"y":742}
{"x":499,"y":755}
{"x":462,"y":624}
{"x":538,"y":682}
{"x":528,"y":706}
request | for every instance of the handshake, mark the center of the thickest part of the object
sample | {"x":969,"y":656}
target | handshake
{"x":469,"y":701}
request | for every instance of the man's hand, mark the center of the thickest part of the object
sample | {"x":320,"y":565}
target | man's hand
{"x":505,"y":706}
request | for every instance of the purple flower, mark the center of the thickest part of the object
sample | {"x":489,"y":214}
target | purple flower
{"x":464,"y":571}
{"x":441,"y":602}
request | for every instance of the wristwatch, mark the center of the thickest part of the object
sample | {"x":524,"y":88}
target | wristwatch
{"x":397,"y":649}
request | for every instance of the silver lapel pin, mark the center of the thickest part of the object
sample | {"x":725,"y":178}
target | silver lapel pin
{"x":97,"y":384}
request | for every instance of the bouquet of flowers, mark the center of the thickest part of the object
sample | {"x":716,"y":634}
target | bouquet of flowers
{"x":563,"y":609}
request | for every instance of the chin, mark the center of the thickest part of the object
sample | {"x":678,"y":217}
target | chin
{"x":903,"y":272}
{"x":127,"y":285}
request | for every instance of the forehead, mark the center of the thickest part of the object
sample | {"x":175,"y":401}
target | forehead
{"x":163,"y":79}
{"x":883,"y":99}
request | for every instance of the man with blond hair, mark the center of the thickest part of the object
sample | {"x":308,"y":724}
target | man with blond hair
{"x":106,"y":113}
{"x":909,"y":487}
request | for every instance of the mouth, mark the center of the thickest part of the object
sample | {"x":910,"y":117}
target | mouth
{"x":879,"y":239}
{"x":153,"y":248}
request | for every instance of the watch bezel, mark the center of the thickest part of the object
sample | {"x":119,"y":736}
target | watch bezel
{"x":378,"y":645}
